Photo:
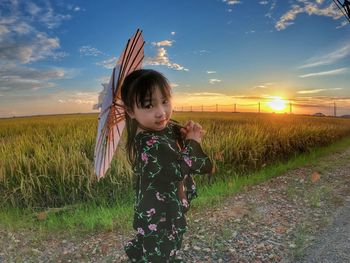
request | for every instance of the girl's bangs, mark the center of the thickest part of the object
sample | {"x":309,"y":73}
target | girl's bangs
{"x":146,"y":88}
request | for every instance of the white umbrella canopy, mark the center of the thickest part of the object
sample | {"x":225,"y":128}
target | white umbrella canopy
{"x":111,"y":120}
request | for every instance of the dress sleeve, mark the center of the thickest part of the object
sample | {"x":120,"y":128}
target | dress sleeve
{"x":160,"y":161}
{"x":195,"y":158}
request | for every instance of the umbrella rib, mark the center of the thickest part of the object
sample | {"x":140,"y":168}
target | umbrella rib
{"x":113,"y":82}
{"x":138,"y":52}
{"x":123,"y":62}
{"x":99,"y":142}
{"x":126,"y":60}
{"x":138,"y":64}
{"x":132,"y":47}
{"x":112,"y":135}
{"x":339,"y":5}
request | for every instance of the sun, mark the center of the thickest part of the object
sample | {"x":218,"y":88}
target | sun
{"x":277,"y":104}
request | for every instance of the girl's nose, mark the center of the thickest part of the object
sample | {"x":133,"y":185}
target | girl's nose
{"x":160,"y":112}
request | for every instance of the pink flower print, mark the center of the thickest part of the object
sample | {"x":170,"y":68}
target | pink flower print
{"x":172,"y":252}
{"x":160,"y":197}
{"x":188,"y":161}
{"x":140,"y":231}
{"x":151,"y":212}
{"x":152,"y":141}
{"x":144,"y":157}
{"x":185,"y":150}
{"x":174,"y":229}
{"x":152,"y":227}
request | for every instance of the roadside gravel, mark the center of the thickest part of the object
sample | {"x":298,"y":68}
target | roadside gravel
{"x":297,"y":217}
{"x":333,"y":244}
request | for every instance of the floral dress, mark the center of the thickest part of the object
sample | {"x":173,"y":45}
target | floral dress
{"x":159,"y":217}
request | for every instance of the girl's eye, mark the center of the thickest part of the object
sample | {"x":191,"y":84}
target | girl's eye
{"x":148,"y":106}
{"x":165,"y":102}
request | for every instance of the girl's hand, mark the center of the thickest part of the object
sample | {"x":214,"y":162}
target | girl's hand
{"x":193,"y":131}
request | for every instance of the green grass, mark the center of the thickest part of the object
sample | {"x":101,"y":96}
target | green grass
{"x":90,"y":216}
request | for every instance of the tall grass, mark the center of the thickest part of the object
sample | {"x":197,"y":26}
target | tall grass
{"x":48,"y":161}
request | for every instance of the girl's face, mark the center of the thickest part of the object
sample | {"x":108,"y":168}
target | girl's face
{"x":156,"y":112}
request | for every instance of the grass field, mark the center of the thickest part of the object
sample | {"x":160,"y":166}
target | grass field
{"x":48,"y":161}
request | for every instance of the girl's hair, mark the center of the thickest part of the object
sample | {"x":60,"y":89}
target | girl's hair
{"x":137,"y":87}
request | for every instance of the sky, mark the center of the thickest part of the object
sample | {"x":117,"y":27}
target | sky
{"x":287,"y":55}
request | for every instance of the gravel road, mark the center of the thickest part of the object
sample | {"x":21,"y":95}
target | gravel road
{"x":333,"y":243}
{"x":300,"y":216}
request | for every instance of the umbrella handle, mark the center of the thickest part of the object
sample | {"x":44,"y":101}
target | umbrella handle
{"x":179,"y":125}
{"x":176,"y":123}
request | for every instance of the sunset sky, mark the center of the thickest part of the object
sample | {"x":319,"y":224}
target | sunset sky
{"x":54,"y":55}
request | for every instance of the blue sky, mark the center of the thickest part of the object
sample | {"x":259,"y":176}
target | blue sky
{"x":54,"y":55}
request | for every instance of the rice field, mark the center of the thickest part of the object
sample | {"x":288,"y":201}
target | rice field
{"x":48,"y":161}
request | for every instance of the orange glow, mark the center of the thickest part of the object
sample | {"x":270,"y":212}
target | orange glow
{"x":277,"y":104}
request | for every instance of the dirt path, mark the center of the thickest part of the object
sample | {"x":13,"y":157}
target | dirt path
{"x":333,"y":244}
{"x":271,"y":222}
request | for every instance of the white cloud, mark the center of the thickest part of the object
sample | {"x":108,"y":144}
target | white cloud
{"x":15,"y":79}
{"x":20,"y":40}
{"x":75,"y":8}
{"x":342,"y":24}
{"x":174,"y":85}
{"x":162,"y":59}
{"x":201,"y":52}
{"x":101,"y":96}
{"x":173,"y":33}
{"x":108,"y":63}
{"x":163,"y":43}
{"x":210,"y":72}
{"x":33,"y":9}
{"x":328,"y":58}
{"x":263,"y":2}
{"x":264,"y":85}
{"x":213,"y":81}
{"x":326,"y":73}
{"x":103,"y":79}
{"x":272,"y":7}
{"x":50,"y":19}
{"x":312,"y":91}
{"x":309,"y":8}
{"x":232,"y":2}
{"x":78,"y":97}
{"x":89,"y":51}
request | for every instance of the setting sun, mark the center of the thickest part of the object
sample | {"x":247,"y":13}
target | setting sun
{"x":277,"y":104}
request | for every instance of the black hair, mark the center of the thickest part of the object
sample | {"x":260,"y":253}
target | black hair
{"x":137,"y":87}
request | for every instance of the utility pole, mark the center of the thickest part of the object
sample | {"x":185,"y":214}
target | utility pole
{"x":335,"y":110}
{"x":290,"y":108}
{"x":235,"y":108}
{"x":259,"y":107}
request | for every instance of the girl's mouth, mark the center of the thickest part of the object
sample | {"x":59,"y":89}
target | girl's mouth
{"x":162,"y":122}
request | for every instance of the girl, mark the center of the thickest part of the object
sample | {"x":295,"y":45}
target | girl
{"x":160,"y":165}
